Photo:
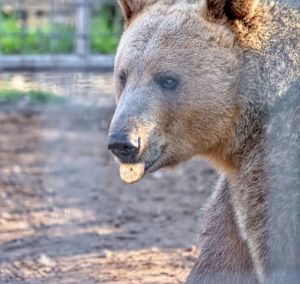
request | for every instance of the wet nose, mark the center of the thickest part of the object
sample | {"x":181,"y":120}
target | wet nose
{"x":122,"y":148}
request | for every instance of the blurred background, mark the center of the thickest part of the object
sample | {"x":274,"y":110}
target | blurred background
{"x":65,"y":215}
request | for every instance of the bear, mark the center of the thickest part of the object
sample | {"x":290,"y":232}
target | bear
{"x":218,"y":79}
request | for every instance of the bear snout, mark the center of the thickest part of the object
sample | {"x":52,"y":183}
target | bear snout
{"x":125,"y":150}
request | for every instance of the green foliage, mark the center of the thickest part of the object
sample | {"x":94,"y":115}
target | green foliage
{"x":39,"y":41}
{"x":9,"y":28}
{"x":31,"y":97}
{"x":105,"y":30}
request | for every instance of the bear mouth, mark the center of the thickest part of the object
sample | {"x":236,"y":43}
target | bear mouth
{"x":157,"y":163}
{"x":134,"y":172}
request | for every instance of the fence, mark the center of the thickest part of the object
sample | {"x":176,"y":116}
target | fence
{"x":58,"y":34}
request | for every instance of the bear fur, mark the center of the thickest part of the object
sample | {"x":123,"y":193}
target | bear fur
{"x":235,"y":66}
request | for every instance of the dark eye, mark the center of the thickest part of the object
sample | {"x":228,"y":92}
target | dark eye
{"x":168,"y":82}
{"x":123,"y":78}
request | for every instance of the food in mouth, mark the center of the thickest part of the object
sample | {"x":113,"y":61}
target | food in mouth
{"x":132,"y":173}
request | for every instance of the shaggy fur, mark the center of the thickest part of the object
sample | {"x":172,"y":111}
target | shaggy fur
{"x":237,"y":63}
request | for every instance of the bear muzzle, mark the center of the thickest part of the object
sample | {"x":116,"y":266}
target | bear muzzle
{"x":124,"y":149}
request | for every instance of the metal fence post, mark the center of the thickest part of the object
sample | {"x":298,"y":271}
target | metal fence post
{"x":0,"y":25}
{"x":82,"y":27}
{"x":53,"y":27}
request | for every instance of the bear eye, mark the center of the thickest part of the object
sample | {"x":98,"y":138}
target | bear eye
{"x":168,"y":82}
{"x":123,"y":78}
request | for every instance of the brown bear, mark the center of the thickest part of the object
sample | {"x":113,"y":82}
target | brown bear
{"x":219,"y":79}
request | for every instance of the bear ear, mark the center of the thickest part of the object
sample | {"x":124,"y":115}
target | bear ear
{"x":131,"y":8}
{"x":232,"y":9}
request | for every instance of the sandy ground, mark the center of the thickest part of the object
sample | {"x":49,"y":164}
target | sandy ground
{"x":67,"y":218}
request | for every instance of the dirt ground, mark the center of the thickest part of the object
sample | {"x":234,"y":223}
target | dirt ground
{"x":67,"y":218}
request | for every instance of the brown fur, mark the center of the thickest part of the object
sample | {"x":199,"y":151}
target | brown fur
{"x":234,"y":10}
{"x":253,"y":32}
{"x":132,"y":8}
{"x":233,"y":59}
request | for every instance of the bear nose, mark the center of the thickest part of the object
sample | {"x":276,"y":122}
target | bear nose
{"x":122,"y":148}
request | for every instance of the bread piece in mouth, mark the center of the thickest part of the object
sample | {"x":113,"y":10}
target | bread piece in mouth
{"x":132,"y":173}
